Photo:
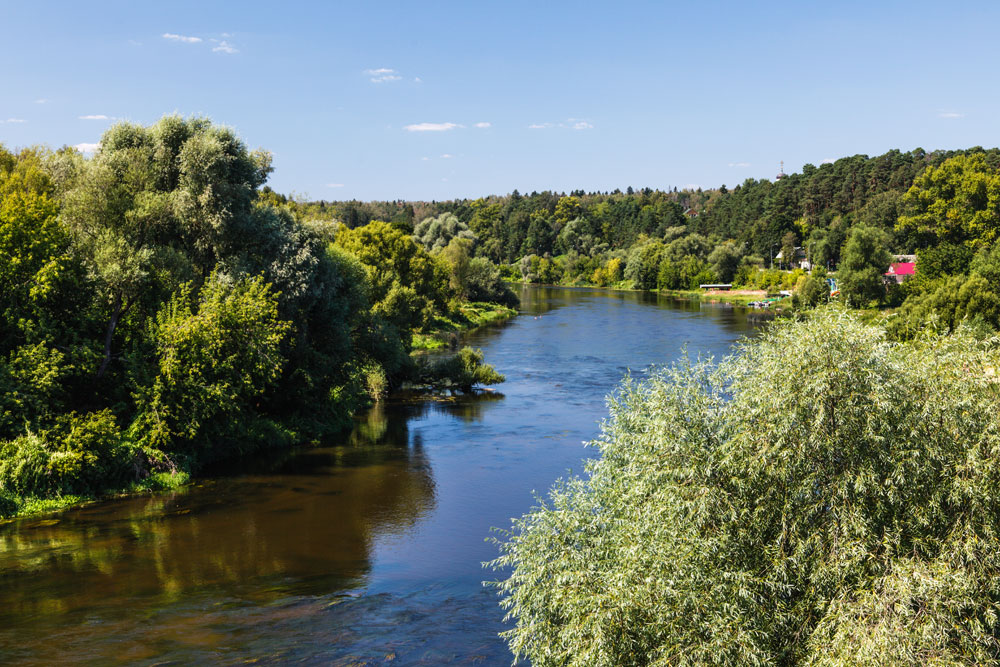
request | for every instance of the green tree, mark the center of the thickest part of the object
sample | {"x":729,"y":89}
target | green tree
{"x":956,"y":202}
{"x":643,"y":264}
{"x":434,"y":234}
{"x":863,"y":263}
{"x":736,"y":518}
{"x":945,"y":305}
{"x":725,"y":260}
{"x":217,"y":353}
{"x":788,"y":243}
{"x":157,"y":207}
{"x":407,"y":284}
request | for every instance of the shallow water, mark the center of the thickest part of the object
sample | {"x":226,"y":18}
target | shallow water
{"x":363,"y":551}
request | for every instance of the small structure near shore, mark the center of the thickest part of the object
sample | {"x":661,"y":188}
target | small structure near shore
{"x":901,"y":271}
{"x":722,"y":287}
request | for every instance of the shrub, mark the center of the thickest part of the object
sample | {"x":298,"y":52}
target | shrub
{"x":462,"y":370}
{"x":734,"y":517}
{"x":82,"y":454}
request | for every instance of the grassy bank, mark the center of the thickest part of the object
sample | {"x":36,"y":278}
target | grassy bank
{"x":13,"y":506}
{"x":469,"y":316}
{"x":735,"y":297}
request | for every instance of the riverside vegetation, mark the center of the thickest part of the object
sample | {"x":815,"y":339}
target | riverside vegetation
{"x":848,"y":217}
{"x":823,"y":497}
{"x":157,"y":313}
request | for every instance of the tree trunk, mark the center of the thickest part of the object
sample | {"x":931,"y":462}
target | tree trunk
{"x":116,"y":313}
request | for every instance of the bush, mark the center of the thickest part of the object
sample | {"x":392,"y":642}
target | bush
{"x":944,"y":305}
{"x":8,"y":504}
{"x":849,"y":517}
{"x":216,"y":355}
{"x":82,"y":454}
{"x":812,"y":291}
{"x":462,"y":370}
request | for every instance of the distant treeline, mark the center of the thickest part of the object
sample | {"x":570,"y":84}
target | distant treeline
{"x":943,"y":206}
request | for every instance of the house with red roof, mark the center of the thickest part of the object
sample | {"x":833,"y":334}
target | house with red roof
{"x":901,"y":271}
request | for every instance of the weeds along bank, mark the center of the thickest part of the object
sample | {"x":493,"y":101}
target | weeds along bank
{"x":157,"y":313}
{"x":825,"y":496}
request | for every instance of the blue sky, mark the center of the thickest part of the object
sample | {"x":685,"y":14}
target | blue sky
{"x":436,"y":100}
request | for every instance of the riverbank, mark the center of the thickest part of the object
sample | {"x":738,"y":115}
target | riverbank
{"x":469,"y":316}
{"x":735,"y":297}
{"x":14,"y":507}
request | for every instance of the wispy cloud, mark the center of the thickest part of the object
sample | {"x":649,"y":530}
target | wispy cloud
{"x":447,"y":156}
{"x":417,"y":79}
{"x":334,"y":185}
{"x":430,"y":127}
{"x":951,"y":114}
{"x":225,"y":47}
{"x":382,"y":75}
{"x":14,"y":120}
{"x":181,"y":38}
{"x":827,"y":160}
{"x":41,"y":100}
{"x":571,"y":123}
{"x":86,"y":148}
{"x":95,"y":116}
{"x":739,"y":164}
{"x":483,"y":126}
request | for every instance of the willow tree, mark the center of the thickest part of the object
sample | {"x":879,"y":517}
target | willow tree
{"x":159,"y":206}
{"x":734,"y":517}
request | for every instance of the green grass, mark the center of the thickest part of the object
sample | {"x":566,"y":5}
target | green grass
{"x":20,"y":506}
{"x":466,"y":317}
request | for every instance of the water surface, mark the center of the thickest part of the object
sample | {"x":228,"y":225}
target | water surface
{"x":363,"y":551}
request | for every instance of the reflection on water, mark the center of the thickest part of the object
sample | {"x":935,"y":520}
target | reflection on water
{"x":358,"y":551}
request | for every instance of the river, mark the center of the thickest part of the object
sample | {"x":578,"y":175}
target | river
{"x":365,"y":550}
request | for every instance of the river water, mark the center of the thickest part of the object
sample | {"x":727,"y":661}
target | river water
{"x":366,"y":550}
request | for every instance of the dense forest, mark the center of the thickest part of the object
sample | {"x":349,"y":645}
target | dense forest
{"x":848,"y":217}
{"x":158,"y":314}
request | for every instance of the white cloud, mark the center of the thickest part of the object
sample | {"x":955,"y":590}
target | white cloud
{"x":827,"y":160}
{"x":225,"y":47}
{"x":425,"y":159}
{"x":14,"y":120}
{"x":334,"y":185}
{"x":41,"y":100}
{"x":417,"y":79}
{"x":739,"y":164}
{"x":382,"y":75}
{"x":86,"y":148}
{"x":483,"y":125}
{"x":95,"y":116}
{"x":951,"y":114}
{"x":447,"y":156}
{"x":572,"y":123}
{"x":181,"y":38}
{"x":430,"y":127}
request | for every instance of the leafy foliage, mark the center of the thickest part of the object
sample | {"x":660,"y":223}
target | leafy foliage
{"x":215,"y":355}
{"x":862,"y":267}
{"x":736,"y":518}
